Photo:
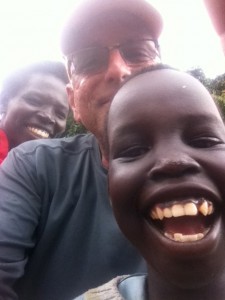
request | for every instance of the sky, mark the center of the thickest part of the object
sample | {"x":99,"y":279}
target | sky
{"x":30,"y":31}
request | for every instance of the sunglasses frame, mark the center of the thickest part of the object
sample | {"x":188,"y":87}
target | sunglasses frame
{"x":69,"y":57}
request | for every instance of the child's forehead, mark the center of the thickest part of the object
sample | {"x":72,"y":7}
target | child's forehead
{"x":164,"y":93}
{"x":163,"y":80}
{"x":159,"y":86}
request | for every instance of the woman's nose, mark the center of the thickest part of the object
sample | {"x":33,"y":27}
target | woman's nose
{"x":46,"y":117}
{"x":173,"y":167}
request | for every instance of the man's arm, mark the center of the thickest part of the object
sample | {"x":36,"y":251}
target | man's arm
{"x":216,"y":10}
{"x":19,"y":215}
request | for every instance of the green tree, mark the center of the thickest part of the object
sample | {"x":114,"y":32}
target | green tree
{"x":199,"y":74}
{"x":218,"y":85}
{"x":72,"y":127}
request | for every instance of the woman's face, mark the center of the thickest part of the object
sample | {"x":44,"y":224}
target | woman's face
{"x":39,"y":110}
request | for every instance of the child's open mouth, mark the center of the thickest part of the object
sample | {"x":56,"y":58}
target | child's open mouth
{"x":183,"y":221}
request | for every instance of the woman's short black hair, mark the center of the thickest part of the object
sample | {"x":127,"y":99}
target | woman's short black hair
{"x":19,"y":78}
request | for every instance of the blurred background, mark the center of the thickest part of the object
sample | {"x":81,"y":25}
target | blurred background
{"x":30,"y":31}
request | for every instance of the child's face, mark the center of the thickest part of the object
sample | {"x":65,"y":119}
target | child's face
{"x":167,"y":174}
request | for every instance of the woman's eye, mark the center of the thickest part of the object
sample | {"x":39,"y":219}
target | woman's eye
{"x":33,"y":101}
{"x":205,"y":142}
{"x":61,"y":115}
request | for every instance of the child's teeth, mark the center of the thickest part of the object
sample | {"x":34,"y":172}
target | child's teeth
{"x":159,"y":213}
{"x":190,"y":209}
{"x":179,"y":237}
{"x":167,"y":213}
{"x":178,"y":210}
{"x":204,"y":208}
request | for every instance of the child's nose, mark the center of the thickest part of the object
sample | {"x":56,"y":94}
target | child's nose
{"x":174,"y":166}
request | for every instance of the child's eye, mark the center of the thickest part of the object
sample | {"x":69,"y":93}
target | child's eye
{"x":205,"y":142}
{"x":133,"y":152}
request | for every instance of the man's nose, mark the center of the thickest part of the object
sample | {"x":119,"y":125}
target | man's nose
{"x":173,"y":165}
{"x":117,"y":70}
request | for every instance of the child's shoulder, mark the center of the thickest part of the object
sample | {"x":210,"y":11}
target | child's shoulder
{"x":130,"y":287}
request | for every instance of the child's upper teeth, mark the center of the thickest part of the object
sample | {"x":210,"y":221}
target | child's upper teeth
{"x":190,"y":208}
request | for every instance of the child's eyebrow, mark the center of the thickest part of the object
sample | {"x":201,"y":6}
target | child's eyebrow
{"x":203,"y":118}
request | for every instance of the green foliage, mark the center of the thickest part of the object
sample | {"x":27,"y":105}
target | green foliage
{"x":220,"y":101}
{"x":200,"y":75}
{"x":218,"y":85}
{"x":215,"y":86}
{"x":72,"y":127}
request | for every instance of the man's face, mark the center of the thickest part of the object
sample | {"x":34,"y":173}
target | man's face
{"x":91,"y":94}
{"x":166,"y":175}
{"x":39,"y":110}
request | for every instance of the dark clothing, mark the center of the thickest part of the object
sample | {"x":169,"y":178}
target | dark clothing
{"x":57,"y":230}
{"x":132,"y":287}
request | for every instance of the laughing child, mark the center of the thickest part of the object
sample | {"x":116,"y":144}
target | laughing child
{"x":166,"y":156}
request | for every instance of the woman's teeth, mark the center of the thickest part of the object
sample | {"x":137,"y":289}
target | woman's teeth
{"x":39,"y":132}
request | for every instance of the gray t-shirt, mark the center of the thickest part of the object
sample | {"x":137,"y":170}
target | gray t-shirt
{"x":58,"y":236}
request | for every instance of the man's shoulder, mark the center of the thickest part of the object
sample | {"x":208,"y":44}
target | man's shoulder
{"x":73,"y":145}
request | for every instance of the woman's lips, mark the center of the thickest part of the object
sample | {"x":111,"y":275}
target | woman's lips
{"x":39,"y":133}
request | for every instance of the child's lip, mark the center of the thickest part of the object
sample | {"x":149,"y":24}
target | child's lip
{"x":183,"y":220}
{"x":185,"y":213}
{"x":174,"y":192}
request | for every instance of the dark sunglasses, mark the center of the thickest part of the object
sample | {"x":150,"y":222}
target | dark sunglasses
{"x":95,"y":59}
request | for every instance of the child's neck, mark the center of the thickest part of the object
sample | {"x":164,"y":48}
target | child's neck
{"x":161,"y":290}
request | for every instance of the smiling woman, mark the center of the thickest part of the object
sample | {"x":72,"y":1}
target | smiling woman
{"x":33,"y":105}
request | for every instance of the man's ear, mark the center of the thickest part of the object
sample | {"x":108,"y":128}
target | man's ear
{"x":105,"y":162}
{"x":72,"y":101}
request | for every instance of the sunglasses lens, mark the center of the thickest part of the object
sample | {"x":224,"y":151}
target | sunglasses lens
{"x":94,"y":60}
{"x":89,"y":61}
{"x":139,"y":52}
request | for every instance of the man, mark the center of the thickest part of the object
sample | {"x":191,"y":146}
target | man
{"x":216,"y":10}
{"x":58,"y":236}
